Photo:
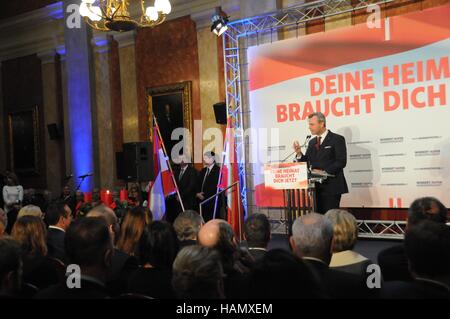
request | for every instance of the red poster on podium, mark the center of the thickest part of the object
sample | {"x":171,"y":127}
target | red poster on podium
{"x":286,"y":175}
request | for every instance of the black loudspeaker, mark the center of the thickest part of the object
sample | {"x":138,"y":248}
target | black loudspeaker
{"x":137,"y":162}
{"x":220,"y":112}
{"x":120,"y":167}
{"x":53,"y":131}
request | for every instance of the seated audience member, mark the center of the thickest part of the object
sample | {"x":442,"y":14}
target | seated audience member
{"x":10,"y":268}
{"x":257,"y":234}
{"x":198,"y":274}
{"x":68,"y":198}
{"x":79,"y":197}
{"x":88,"y":244}
{"x":279,"y":274}
{"x":132,"y":228}
{"x":311,"y":240}
{"x":158,"y":249}
{"x":3,"y":221}
{"x":236,"y":263}
{"x":38,"y":268}
{"x":122,"y":264}
{"x":187,"y":225}
{"x":345,"y":235}
{"x":30,"y":210}
{"x":427,"y":247}
{"x":58,"y":217}
{"x":392,"y":260}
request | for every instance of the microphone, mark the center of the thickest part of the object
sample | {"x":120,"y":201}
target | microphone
{"x":86,"y":175}
{"x":304,"y":144}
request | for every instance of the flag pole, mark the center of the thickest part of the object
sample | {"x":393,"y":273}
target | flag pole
{"x":168,"y":162}
{"x":220,"y":172}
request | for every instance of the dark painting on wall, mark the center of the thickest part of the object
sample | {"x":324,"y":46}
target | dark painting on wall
{"x":171,"y":106}
{"x":23,"y":141}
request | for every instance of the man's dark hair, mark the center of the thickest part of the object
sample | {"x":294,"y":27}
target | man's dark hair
{"x":10,"y":259}
{"x":87,"y":240}
{"x":198,"y":273}
{"x":427,"y":247}
{"x":187,"y":225}
{"x":257,"y":230}
{"x":54,"y":212}
{"x":427,"y":208}
{"x":158,"y":245}
{"x":280,"y":274}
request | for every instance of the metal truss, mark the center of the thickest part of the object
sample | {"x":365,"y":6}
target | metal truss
{"x":382,"y":229}
{"x":235,"y":53}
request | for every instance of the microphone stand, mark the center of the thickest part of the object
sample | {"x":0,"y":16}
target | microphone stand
{"x":304,"y":144}
{"x":81,"y":181}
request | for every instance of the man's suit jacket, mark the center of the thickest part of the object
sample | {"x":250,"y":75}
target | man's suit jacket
{"x":210,"y":185}
{"x":209,"y":189}
{"x":394,"y":264}
{"x":55,"y":243}
{"x":187,"y":186}
{"x":332,"y":158}
{"x":339,"y":284}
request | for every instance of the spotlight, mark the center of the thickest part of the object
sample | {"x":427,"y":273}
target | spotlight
{"x":219,"y":24}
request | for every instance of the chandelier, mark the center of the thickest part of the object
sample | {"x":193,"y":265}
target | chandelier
{"x":114,"y":15}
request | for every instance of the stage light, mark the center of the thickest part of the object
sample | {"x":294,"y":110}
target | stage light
{"x":219,"y":24}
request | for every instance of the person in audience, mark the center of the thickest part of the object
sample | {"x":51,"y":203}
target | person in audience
{"x":10,"y":268}
{"x":12,"y":192}
{"x":198,"y":274}
{"x":38,"y":268}
{"x":392,"y":260}
{"x":122,"y":264}
{"x":257,"y":234}
{"x":187,"y":225}
{"x":79,"y":198}
{"x":236,"y":263}
{"x":311,"y":240}
{"x":345,"y":235}
{"x":88,"y":244}
{"x":30,"y":210}
{"x":68,"y":197}
{"x":427,"y":247}
{"x":58,"y":218}
{"x":158,"y":249}
{"x":12,"y":198}
{"x":279,"y":274}
{"x":132,"y":228}
{"x":3,"y":221}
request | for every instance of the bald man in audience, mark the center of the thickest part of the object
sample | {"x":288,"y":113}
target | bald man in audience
{"x":122,"y":264}
{"x":219,"y":235}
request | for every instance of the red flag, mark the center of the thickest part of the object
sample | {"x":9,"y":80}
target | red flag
{"x":230,"y":175}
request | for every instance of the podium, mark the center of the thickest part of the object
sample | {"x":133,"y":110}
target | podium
{"x":298,"y":185}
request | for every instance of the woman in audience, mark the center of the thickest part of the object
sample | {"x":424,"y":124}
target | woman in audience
{"x":12,"y":197}
{"x":38,"y":269}
{"x":132,"y":228}
{"x":158,"y":249}
{"x":345,"y":235}
{"x":30,"y":210}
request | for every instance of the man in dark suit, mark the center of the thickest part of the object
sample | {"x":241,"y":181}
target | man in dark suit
{"x":393,"y":261}
{"x":58,"y":216}
{"x":427,"y":247}
{"x":327,"y":152}
{"x":186,"y":179}
{"x":311,"y":240}
{"x":257,"y":235}
{"x":207,"y":186}
{"x":89,"y":245}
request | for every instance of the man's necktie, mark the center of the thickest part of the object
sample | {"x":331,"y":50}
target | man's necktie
{"x":181,"y":174}
{"x":318,"y":143}
{"x":204,"y":178}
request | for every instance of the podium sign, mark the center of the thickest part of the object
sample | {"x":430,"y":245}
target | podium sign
{"x":286,"y":175}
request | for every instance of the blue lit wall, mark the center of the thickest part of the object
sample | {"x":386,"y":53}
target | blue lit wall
{"x":79,"y":85}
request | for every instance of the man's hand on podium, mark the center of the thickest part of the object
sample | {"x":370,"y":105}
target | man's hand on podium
{"x":297,"y":148}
